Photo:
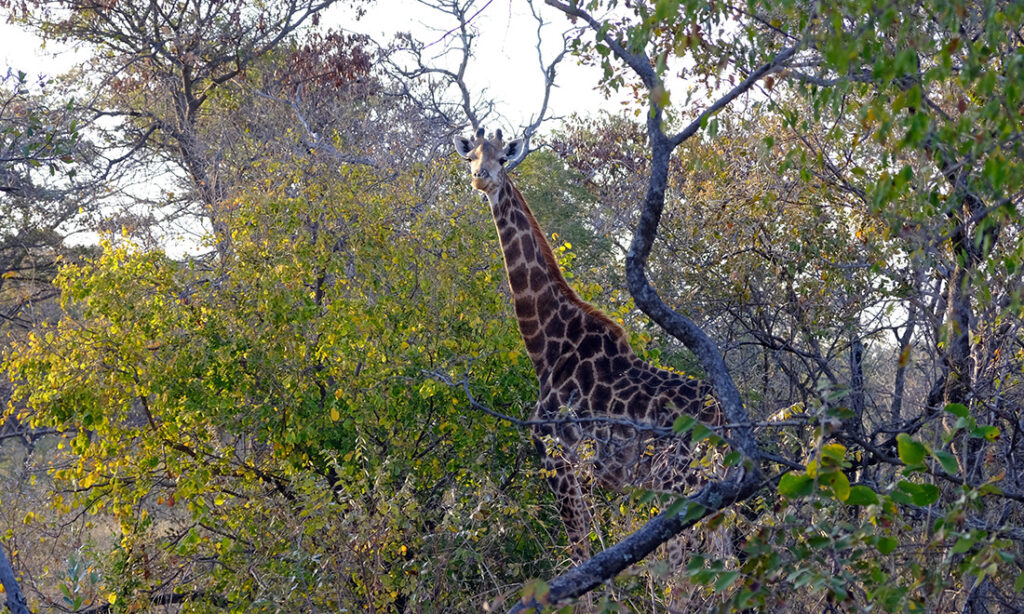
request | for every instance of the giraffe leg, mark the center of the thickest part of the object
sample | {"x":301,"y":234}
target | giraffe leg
{"x":678,"y":589}
{"x":572,"y":507}
{"x":672,"y":473}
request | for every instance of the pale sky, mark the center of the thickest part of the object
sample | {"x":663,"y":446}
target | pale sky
{"x":505,"y":61}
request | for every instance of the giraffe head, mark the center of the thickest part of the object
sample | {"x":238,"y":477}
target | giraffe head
{"x":487,"y":158}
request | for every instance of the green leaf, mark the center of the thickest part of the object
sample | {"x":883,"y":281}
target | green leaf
{"x":861,"y":495}
{"x":732,"y":458}
{"x":683,"y":423}
{"x":794,"y":485}
{"x":700,"y":433}
{"x":986,"y":431}
{"x":725,"y":580}
{"x":947,"y":460}
{"x":840,"y":485}
{"x":833,"y":451}
{"x":911,"y":452}
{"x":689,"y":510}
{"x":900,"y":496}
{"x":916,"y":494}
{"x":926,"y":494}
{"x":958,"y":410}
{"x":886,"y":545}
{"x":1018,"y":584}
{"x":962,"y":545}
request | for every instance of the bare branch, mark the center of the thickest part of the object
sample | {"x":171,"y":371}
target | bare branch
{"x":548,"y":70}
{"x":774,"y":65}
{"x":314,"y":141}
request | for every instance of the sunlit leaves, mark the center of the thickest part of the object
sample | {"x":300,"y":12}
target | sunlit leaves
{"x":271,"y":399}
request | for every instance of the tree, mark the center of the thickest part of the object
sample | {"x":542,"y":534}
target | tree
{"x":15,"y":599}
{"x":875,"y":138}
{"x":159,"y":68}
{"x":296,"y":393}
{"x":196,"y":423}
{"x":325,"y":413}
{"x":47,"y":191}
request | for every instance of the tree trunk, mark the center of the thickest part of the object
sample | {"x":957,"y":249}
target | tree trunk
{"x":855,"y":424}
{"x":16,"y":602}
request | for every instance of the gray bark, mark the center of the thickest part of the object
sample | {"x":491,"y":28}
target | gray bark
{"x":16,"y":602}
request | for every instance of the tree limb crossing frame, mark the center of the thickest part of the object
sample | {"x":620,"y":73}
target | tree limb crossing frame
{"x":740,"y":485}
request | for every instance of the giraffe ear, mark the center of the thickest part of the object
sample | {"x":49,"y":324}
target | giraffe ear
{"x":462,"y":145}
{"x":513,"y":150}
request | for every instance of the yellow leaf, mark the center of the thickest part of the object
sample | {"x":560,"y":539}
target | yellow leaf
{"x":335,"y":416}
{"x":111,"y":597}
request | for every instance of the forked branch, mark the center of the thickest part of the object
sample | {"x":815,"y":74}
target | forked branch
{"x":739,"y":485}
{"x":446,"y":93}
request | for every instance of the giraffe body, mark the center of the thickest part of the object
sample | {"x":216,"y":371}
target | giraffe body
{"x":598,"y":402}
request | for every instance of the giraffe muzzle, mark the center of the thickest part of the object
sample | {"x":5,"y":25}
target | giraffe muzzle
{"x":481,"y":174}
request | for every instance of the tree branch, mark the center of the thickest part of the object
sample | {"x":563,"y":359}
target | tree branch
{"x":741,"y":484}
{"x":609,"y":563}
{"x":16,"y":602}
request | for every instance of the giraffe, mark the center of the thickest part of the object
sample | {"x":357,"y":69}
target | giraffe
{"x":598,"y":401}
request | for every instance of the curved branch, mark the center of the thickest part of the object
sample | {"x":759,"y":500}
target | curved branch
{"x":639,"y":62}
{"x":646,"y":296}
{"x":609,"y":563}
{"x":774,"y":65}
{"x":739,"y":485}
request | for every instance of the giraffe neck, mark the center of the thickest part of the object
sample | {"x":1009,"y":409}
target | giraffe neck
{"x":551,"y":315}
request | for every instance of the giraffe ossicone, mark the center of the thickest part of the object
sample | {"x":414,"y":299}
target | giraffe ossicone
{"x":598,"y":402}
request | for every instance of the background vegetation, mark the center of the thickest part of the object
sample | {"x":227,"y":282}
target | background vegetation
{"x":253,"y":316}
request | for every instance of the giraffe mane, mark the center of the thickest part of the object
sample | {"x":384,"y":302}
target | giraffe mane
{"x":549,"y":257}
